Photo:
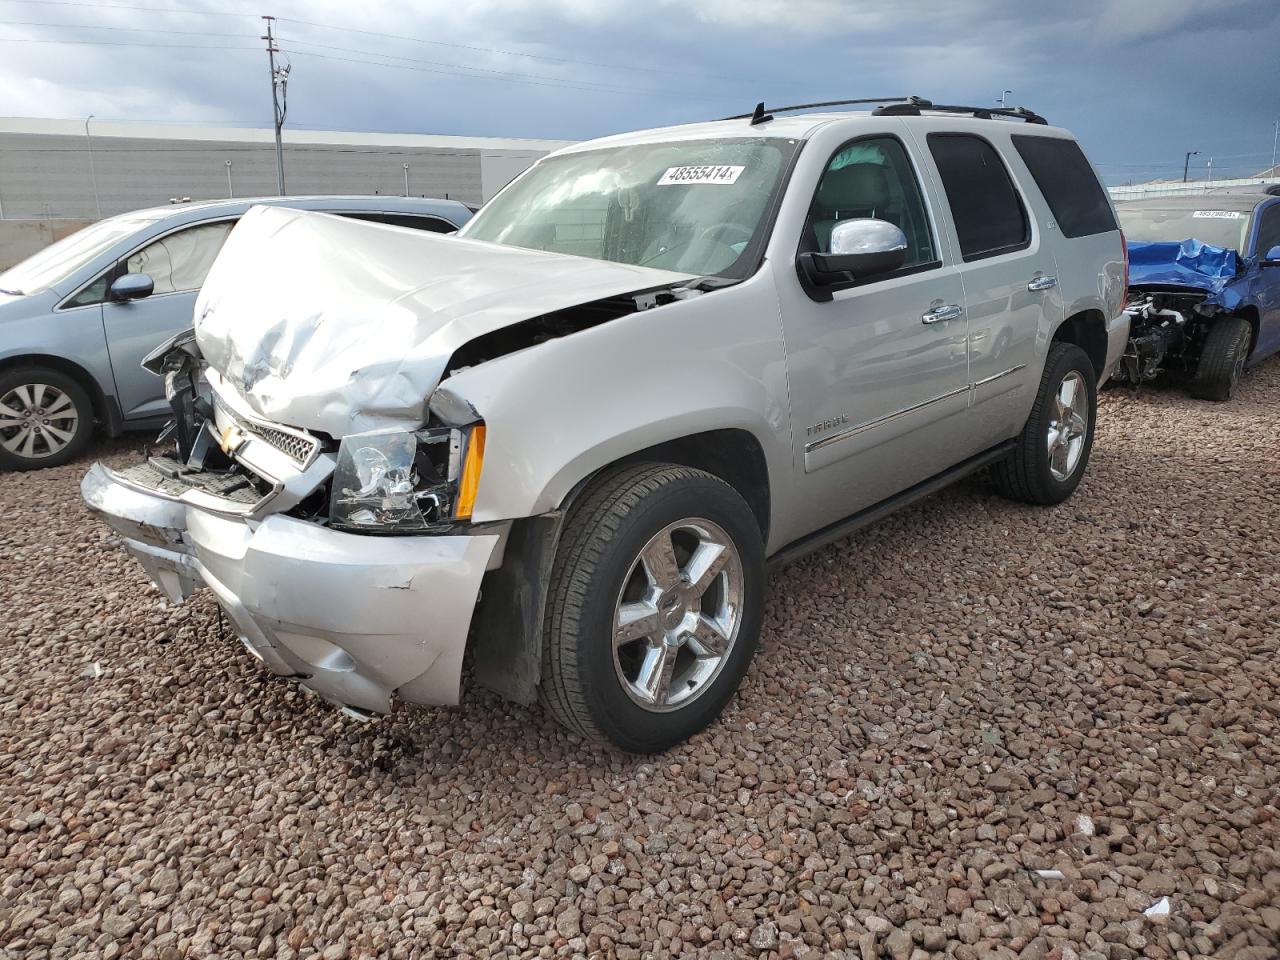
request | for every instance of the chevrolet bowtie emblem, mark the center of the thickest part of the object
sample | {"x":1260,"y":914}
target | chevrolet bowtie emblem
{"x":232,"y":439}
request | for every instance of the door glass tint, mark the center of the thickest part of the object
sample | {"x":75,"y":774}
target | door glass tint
{"x":871,"y":178}
{"x":987,"y":210}
{"x":181,"y":260}
{"x":1268,"y":230}
{"x":1064,"y":176}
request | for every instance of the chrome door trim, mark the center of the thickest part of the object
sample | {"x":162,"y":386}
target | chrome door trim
{"x":997,"y":376}
{"x":868,"y":425}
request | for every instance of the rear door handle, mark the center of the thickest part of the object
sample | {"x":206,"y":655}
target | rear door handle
{"x":1042,"y":283}
{"x":950,"y":312}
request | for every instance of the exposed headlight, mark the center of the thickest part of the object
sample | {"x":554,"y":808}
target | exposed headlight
{"x":398,"y":481}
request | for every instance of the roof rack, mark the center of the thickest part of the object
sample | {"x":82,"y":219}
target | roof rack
{"x":895,"y":107}
{"x":763,"y":114}
{"x":912,"y":106}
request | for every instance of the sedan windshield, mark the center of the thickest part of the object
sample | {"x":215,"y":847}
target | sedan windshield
{"x":1219,"y":228}
{"x":699,"y":206}
{"x":57,"y":262}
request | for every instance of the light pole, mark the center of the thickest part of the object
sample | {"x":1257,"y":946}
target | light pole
{"x":1209,"y":167}
{"x":1274,"y":140}
{"x":93,"y":174}
{"x":231,"y":193}
{"x":1004,"y":98}
{"x":406,"y":179}
{"x":1186,"y":163}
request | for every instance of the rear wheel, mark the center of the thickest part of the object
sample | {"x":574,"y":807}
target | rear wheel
{"x":46,"y":418}
{"x":654,"y":606}
{"x":1052,"y":453}
{"x":1222,"y":360}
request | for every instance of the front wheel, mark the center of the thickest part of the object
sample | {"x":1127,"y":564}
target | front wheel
{"x":1226,"y":348}
{"x":46,"y":418}
{"x":1052,"y":453}
{"x":654,"y":606}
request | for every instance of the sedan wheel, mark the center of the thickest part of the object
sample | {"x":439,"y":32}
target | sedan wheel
{"x":46,"y":418}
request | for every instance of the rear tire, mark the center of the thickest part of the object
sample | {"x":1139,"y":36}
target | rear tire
{"x":1052,"y":452}
{"x":46,"y":418}
{"x":654,"y":606}
{"x":1222,"y":360}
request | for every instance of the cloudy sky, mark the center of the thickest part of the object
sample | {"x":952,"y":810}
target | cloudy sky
{"x":1140,"y":81}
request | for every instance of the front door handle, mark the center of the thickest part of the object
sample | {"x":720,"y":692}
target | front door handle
{"x":950,"y":312}
{"x":1042,"y":283}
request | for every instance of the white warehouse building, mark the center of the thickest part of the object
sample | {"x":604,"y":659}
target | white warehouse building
{"x":79,"y":170}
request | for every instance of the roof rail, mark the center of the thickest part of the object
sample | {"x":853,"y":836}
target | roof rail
{"x":763,"y":114}
{"x":913,"y":106}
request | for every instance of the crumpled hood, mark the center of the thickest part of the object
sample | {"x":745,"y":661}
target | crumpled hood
{"x":342,"y":326}
{"x":1186,"y":264}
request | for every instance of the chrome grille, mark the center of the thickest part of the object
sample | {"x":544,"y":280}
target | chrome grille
{"x":296,"y":446}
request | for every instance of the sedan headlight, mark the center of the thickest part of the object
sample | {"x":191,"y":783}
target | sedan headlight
{"x":399,"y":481}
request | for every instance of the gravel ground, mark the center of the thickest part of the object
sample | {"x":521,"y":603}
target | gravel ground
{"x":944,"y":704}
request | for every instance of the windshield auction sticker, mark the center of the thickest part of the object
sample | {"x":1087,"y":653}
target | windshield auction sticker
{"x":701,"y":173}
{"x":1217,"y":214}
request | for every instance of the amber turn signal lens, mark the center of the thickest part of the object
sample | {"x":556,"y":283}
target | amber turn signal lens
{"x":471,"y":467}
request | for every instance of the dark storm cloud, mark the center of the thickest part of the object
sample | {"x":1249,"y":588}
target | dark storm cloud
{"x":1140,"y":82}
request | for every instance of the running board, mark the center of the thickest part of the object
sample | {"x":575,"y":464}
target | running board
{"x":842,"y":528}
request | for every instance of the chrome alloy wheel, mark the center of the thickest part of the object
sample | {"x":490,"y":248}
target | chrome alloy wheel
{"x":677,"y":615}
{"x":37,"y":420}
{"x":1068,"y":426}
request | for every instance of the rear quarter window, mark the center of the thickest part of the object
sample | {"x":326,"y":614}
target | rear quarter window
{"x":1068,"y":183}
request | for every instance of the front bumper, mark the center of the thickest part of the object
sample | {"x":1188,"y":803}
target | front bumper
{"x":354,"y":618}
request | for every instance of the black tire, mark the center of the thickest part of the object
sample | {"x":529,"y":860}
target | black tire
{"x":32,"y":444}
{"x":606,"y":530}
{"x":1222,"y":360}
{"x":1027,"y":474}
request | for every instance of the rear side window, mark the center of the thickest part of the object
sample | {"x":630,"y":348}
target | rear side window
{"x":987,"y":210}
{"x":1068,"y":184}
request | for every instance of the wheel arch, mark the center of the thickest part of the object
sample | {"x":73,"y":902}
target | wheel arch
{"x":105,"y":409}
{"x":508,"y":637}
{"x":1087,"y":329}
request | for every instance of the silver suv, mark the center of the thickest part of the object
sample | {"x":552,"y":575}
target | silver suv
{"x":575,"y":437}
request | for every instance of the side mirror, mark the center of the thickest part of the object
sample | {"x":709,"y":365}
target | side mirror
{"x":132,"y":286}
{"x":862,"y":247}
{"x":1272,"y":259}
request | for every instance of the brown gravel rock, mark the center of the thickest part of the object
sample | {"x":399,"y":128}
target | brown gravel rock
{"x":943,"y":704}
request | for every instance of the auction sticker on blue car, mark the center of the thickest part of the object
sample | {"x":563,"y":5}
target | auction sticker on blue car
{"x":1217,"y":215}
{"x":701,"y":173}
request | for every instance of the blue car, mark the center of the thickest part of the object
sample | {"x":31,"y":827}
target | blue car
{"x":77,"y":318}
{"x":1204,"y":288}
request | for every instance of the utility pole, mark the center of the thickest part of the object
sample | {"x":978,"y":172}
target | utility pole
{"x":1186,"y":163}
{"x":1274,"y":140}
{"x":1004,"y":98}
{"x":279,"y":100}
{"x":406,"y":179}
{"x":93,"y":174}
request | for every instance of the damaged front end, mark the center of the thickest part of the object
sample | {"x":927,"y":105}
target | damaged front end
{"x":1177,"y":292}
{"x":246,"y":509}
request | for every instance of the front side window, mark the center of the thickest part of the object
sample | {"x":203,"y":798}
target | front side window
{"x":870,"y":178}
{"x":699,"y":207}
{"x":988,"y":213}
{"x":1268,"y":230}
{"x":181,"y":260}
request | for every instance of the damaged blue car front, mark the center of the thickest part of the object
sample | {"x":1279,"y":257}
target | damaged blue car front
{"x":1204,"y":288}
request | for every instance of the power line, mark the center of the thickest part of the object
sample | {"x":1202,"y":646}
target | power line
{"x":121,"y":6}
{"x":127,"y":43}
{"x":506,"y":53}
{"x":90,"y":26}
{"x":478,"y":70}
{"x":585,"y":86}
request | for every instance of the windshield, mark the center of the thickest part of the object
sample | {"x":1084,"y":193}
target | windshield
{"x":1219,"y":228}
{"x":697,"y":206}
{"x":58,"y":261}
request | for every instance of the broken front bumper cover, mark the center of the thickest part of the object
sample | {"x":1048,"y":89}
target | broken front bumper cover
{"x":354,"y":618}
